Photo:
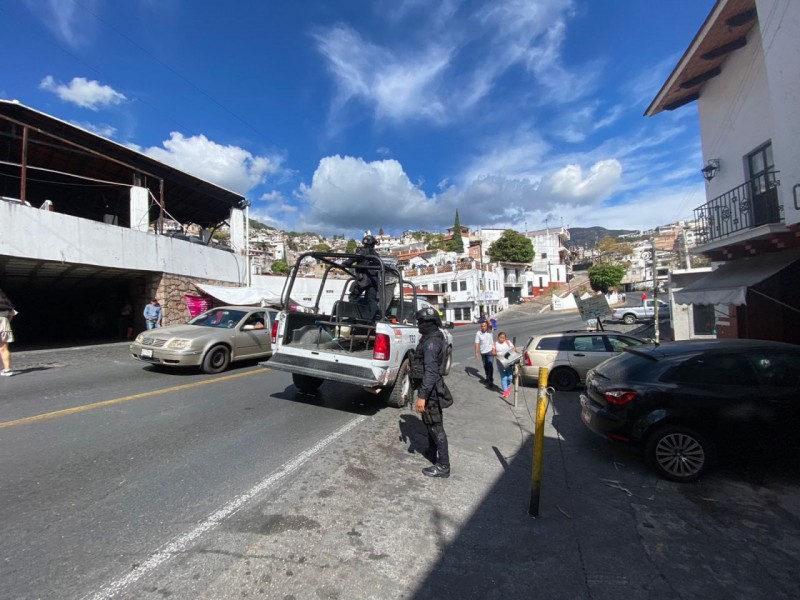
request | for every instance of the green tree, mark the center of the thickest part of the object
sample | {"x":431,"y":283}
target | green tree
{"x":512,"y":246}
{"x":434,"y":241}
{"x":351,"y":247}
{"x":323,"y":247}
{"x":603,"y":277}
{"x":223,"y":237}
{"x":280,"y":266}
{"x":613,"y":251}
{"x":457,"y":243}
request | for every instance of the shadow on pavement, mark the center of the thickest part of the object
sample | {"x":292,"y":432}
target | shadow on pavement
{"x":608,"y":527}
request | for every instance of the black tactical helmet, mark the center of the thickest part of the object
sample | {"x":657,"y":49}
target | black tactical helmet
{"x":369,"y":240}
{"x":428,"y":313}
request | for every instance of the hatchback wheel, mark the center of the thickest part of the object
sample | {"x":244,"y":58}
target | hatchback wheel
{"x":678,"y":453}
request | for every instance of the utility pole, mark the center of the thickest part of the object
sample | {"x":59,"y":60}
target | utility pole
{"x":686,"y":250}
{"x":655,"y":294}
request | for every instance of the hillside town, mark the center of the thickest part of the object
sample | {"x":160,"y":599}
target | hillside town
{"x":141,"y":229}
{"x":304,"y":344}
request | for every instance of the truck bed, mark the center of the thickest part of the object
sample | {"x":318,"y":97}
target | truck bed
{"x":328,"y":333}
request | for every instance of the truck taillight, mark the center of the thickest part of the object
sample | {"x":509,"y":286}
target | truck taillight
{"x":383,"y":348}
{"x":275,"y":330}
{"x":528,"y":362}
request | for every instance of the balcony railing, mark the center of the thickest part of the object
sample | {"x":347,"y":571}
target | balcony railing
{"x":752,"y":204}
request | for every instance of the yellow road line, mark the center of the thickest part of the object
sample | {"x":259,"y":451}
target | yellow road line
{"x":85,"y":407}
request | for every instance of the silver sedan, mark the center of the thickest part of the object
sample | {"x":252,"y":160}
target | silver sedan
{"x":210,"y":341}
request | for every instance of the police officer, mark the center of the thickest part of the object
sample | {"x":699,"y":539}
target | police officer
{"x":432,"y":392}
{"x":366,"y":282}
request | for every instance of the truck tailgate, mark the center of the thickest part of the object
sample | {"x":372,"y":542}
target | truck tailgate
{"x":335,"y":370}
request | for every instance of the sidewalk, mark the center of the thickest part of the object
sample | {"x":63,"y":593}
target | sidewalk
{"x":363,"y":522}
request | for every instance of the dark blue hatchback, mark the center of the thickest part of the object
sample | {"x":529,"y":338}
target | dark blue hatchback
{"x":682,"y":402}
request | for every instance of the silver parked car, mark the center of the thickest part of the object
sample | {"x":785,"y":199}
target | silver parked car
{"x":211,"y":340}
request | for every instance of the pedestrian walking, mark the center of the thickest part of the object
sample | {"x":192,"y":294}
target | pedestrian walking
{"x":7,"y":312}
{"x":493,"y":323}
{"x":432,"y":392}
{"x":484,"y":349}
{"x":501,"y":347}
{"x":152,"y":314}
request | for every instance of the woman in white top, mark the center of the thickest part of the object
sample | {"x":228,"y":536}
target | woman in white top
{"x":501,"y":346}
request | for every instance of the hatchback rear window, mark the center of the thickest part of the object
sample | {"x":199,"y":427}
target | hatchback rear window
{"x":625,"y":366}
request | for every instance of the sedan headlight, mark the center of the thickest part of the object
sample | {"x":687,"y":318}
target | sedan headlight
{"x":179,"y":344}
{"x":139,"y":338}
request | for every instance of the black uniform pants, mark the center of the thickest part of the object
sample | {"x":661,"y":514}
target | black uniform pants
{"x":369,"y":287}
{"x":437,"y":438}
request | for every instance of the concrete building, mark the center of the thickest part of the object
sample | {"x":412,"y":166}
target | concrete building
{"x":742,"y":70}
{"x":471,"y":289}
{"x":551,"y":262}
{"x":83,"y":230}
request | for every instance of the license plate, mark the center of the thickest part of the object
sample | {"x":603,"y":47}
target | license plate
{"x":147,"y":353}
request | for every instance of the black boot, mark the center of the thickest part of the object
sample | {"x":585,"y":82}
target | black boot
{"x":437,"y":470}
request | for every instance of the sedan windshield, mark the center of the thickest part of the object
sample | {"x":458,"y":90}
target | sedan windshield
{"x":225,"y":319}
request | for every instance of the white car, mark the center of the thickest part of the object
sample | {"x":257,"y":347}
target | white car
{"x":211,"y":340}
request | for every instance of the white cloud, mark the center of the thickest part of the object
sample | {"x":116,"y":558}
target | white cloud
{"x":571,"y":185}
{"x":107,"y":131}
{"x":398,"y":87}
{"x":66,"y":18}
{"x":229,"y":167}
{"x":83,"y":92}
{"x":455,"y":60}
{"x":349,"y":193}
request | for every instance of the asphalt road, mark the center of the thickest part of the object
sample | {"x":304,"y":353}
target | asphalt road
{"x":106,"y":460}
{"x":120,"y":481}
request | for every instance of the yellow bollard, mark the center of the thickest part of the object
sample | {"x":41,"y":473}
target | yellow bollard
{"x":538,"y":442}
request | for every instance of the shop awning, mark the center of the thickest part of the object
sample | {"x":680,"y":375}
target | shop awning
{"x":241,"y":296}
{"x":729,"y":282}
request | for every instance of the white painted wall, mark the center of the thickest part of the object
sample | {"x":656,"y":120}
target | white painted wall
{"x":735,"y":115}
{"x":756,"y":99}
{"x":779,"y":23}
{"x":27,"y":232}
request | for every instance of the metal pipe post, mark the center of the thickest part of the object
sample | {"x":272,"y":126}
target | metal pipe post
{"x":538,"y":442}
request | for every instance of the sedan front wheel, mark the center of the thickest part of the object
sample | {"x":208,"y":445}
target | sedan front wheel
{"x":216,"y":360}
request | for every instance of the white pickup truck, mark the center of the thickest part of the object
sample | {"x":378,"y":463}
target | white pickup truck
{"x":347,"y":345}
{"x":630,"y":314}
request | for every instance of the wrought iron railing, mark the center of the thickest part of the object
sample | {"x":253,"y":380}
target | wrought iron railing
{"x":752,"y":204}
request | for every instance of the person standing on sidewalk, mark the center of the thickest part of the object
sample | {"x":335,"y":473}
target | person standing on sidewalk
{"x":502,"y":346}
{"x":432,"y":392}
{"x":152,"y":314}
{"x":7,"y":312}
{"x":484,"y":350}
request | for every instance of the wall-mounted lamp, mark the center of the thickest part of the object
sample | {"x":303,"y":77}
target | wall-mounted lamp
{"x":711,"y":168}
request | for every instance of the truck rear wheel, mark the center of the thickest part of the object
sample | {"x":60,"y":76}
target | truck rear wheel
{"x":306,"y":383}
{"x":448,"y":361}
{"x":400,"y":393}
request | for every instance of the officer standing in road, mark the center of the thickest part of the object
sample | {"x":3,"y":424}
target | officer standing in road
{"x":366,"y":282}
{"x":432,"y":392}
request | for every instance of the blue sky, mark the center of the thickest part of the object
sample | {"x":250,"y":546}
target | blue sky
{"x":338,"y":116}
